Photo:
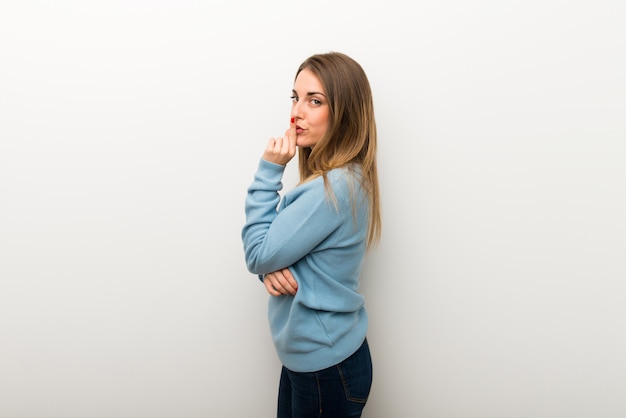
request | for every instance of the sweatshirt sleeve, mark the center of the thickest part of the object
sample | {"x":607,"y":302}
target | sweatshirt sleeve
{"x":274,"y":239}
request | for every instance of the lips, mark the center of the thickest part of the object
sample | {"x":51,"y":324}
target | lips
{"x":299,"y":130}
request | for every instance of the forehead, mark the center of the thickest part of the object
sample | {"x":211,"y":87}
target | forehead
{"x":307,"y":82}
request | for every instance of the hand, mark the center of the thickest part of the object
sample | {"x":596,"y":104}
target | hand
{"x":282,"y":149}
{"x":280,"y":283}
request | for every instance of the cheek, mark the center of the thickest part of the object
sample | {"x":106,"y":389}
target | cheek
{"x":324,"y":122}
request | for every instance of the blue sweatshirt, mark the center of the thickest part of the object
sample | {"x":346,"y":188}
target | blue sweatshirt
{"x":323,"y":244}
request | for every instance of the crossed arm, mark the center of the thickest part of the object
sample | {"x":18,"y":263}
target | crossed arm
{"x":280,"y":151}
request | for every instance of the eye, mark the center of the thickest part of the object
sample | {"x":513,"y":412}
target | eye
{"x":294,"y":98}
{"x":316,"y":102}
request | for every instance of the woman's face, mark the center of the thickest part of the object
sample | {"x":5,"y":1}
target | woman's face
{"x":309,"y":108}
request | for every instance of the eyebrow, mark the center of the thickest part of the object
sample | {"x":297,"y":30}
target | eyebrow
{"x":311,"y":93}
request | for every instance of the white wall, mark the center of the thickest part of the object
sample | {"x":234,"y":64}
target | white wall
{"x":130,"y":130}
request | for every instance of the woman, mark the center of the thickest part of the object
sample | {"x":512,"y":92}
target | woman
{"x":308,"y":249}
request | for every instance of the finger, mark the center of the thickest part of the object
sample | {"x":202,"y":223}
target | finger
{"x":271,"y":145}
{"x":271,"y":289}
{"x":282,"y":281}
{"x":278,"y":284}
{"x":278,"y":143}
{"x":284,"y":145}
{"x":276,"y":281}
{"x":286,"y":281}
{"x":292,"y":128}
{"x":276,"y":149}
{"x":287,"y":147}
{"x":285,"y":287}
{"x":292,"y":135}
{"x":290,"y":280}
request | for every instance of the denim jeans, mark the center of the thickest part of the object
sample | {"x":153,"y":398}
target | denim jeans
{"x":336,"y":392}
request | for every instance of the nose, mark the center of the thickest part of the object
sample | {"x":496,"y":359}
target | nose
{"x":296,"y":110}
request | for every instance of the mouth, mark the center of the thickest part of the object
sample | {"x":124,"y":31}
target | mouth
{"x":299,"y":130}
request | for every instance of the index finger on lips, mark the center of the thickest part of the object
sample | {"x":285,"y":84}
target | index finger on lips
{"x":292,"y":136}
{"x":292,"y":127}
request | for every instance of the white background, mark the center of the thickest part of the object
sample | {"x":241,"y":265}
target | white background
{"x":131,"y":129}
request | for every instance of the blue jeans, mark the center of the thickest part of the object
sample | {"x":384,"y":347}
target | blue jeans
{"x":336,"y":392}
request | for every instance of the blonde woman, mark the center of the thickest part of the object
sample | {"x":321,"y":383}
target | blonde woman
{"x":308,"y":248}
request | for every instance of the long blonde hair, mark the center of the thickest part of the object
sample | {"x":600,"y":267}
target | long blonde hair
{"x":351,"y":135}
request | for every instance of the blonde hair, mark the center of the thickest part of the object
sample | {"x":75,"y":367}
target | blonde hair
{"x":351,"y":135}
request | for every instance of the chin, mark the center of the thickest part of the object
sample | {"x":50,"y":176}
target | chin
{"x":305,"y":143}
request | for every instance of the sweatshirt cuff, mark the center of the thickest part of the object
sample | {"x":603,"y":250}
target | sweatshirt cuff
{"x":270,"y":172}
{"x":266,"y":165}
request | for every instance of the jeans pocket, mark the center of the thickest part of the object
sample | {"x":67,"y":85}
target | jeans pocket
{"x":356,"y":375}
